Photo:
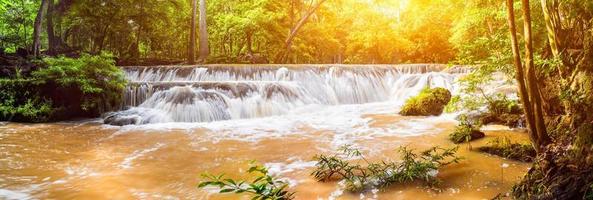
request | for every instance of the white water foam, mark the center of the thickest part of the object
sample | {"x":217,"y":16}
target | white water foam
{"x":127,"y":163}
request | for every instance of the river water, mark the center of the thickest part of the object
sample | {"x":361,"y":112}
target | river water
{"x":185,"y":120}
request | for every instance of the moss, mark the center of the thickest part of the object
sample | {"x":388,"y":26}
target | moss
{"x":428,"y":102}
{"x":507,"y":149}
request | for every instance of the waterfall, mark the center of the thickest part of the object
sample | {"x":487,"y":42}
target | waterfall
{"x":224,"y":92}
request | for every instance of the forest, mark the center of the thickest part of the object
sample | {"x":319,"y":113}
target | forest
{"x":266,"y":31}
{"x":49,"y":48}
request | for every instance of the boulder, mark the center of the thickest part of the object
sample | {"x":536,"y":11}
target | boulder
{"x":428,"y":102}
{"x":121,"y":119}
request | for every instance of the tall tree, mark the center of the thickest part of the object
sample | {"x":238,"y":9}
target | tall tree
{"x":204,"y":47}
{"x":528,"y":88}
{"x":192,"y":35}
{"x":37,"y":28}
{"x":532,"y":87}
{"x":51,"y":38}
{"x":552,"y":19}
{"x":520,"y":77}
{"x":295,"y":30}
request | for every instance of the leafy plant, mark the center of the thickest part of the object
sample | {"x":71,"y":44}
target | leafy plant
{"x":500,"y":104}
{"x":413,"y":166}
{"x":97,"y":78}
{"x":465,"y":131}
{"x":263,"y":187}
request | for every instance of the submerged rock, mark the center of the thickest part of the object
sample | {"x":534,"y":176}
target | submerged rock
{"x":428,"y":102}
{"x":121,"y":118}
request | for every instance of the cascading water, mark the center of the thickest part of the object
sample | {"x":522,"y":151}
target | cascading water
{"x":226,"y":92}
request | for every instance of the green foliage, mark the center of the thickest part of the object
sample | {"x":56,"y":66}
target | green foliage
{"x":465,"y":131}
{"x":62,"y":88}
{"x":428,"y":102}
{"x":97,"y":78}
{"x":500,"y":104}
{"x":358,"y":177}
{"x":506,"y":148}
{"x":263,"y":187}
{"x":16,"y":23}
{"x":19,"y":103}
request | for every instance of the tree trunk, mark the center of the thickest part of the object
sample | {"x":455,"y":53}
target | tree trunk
{"x":204,"y":48}
{"x":552,"y":26}
{"x":295,"y":30}
{"x":51,"y":38}
{"x":191,"y":50}
{"x":520,"y":77}
{"x":37,"y":29}
{"x":532,"y":88}
{"x":249,"y":43}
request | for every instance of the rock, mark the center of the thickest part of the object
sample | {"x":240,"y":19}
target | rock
{"x":510,"y":120}
{"x":462,"y":132}
{"x":121,"y":119}
{"x":428,"y":102}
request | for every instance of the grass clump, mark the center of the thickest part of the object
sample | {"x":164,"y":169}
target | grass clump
{"x":263,"y":187}
{"x":428,"y":102}
{"x":507,"y":149}
{"x":465,"y":131}
{"x":421,"y":166}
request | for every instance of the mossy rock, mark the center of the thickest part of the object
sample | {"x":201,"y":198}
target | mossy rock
{"x":428,"y":102}
{"x":507,"y":119}
{"x":464,"y":133}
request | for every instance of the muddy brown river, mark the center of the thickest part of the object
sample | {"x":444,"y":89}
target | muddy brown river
{"x":178,"y":122}
{"x":88,"y":160}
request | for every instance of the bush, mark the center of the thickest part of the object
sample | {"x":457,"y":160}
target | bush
{"x":465,"y":131}
{"x":507,"y":149}
{"x":428,"y":102}
{"x":264,"y":187}
{"x":500,"y":104}
{"x":63,"y":88}
{"x":423,"y":166}
{"x":19,"y":103}
{"x":96,"y":81}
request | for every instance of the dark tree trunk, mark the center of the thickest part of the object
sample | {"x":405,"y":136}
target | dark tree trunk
{"x":37,"y":29}
{"x":192,"y":36}
{"x":520,"y":77}
{"x":51,"y":38}
{"x":532,"y":88}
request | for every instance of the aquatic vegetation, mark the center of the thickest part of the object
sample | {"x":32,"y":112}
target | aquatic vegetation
{"x":421,"y":166}
{"x":506,"y":148}
{"x":466,"y":131}
{"x":428,"y":102}
{"x":263,"y":187}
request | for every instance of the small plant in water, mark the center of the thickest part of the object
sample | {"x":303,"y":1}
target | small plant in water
{"x":368,"y":175}
{"x":466,"y":131}
{"x":263,"y":187}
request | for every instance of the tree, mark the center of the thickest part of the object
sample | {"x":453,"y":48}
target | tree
{"x":528,"y":90}
{"x":204,"y":46}
{"x":37,"y":29}
{"x":192,"y":35}
{"x":553,"y":26}
{"x":295,"y":30}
